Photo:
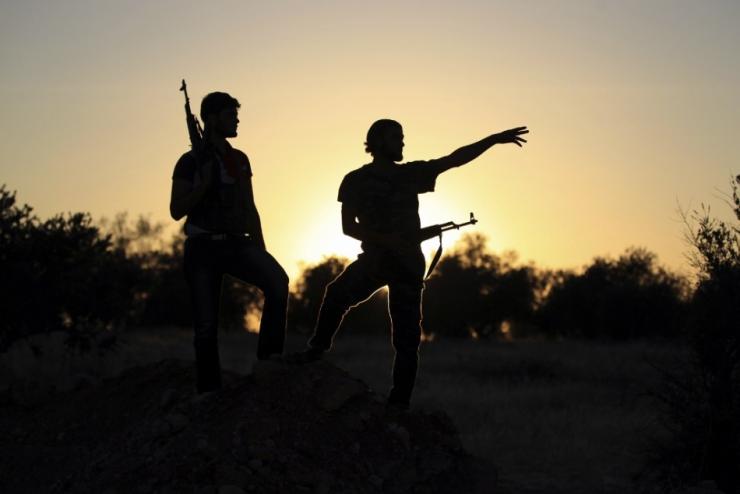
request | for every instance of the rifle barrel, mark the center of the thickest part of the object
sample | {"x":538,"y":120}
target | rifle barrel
{"x":451,"y":224}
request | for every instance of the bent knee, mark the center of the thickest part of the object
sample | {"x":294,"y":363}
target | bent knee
{"x":277,"y":292}
{"x":337,"y":295}
{"x":281,"y":285}
{"x":277,"y":286}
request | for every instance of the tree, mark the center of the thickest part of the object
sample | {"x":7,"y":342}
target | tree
{"x":305,"y":302}
{"x":473,"y":291}
{"x":60,"y":274}
{"x":162,"y":297}
{"x":629,"y":297}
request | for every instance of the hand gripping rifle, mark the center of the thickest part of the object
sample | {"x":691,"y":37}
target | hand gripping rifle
{"x":437,"y":230}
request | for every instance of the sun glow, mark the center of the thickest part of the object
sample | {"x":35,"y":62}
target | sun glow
{"x":435,"y":210}
{"x":588,"y":183}
{"x":324,"y":237}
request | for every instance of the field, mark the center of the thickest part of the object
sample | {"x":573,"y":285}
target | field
{"x":554,"y":417}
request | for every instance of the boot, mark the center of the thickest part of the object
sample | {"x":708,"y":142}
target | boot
{"x":207,"y":366}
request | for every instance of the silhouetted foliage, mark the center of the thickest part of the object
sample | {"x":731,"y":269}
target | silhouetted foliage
{"x":60,"y":274}
{"x":66,"y":273}
{"x":163,"y":298}
{"x":239,"y":301}
{"x":473,"y":292}
{"x":476,"y":293}
{"x":167,"y":299}
{"x":630,"y":297}
{"x":703,"y":398}
{"x":138,"y":237}
{"x":305,"y":300}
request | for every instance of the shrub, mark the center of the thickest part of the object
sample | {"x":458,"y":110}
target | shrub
{"x":629,"y":297}
{"x":60,"y":274}
{"x":703,"y":398}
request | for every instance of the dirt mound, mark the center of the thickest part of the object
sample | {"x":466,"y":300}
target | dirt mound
{"x":283,"y":429}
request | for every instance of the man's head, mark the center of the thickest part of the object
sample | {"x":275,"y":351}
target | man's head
{"x":385,"y":140}
{"x":219,"y":112}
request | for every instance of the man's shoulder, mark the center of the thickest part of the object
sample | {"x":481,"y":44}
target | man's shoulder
{"x":352,"y":182}
{"x":188,"y":156}
{"x":239,"y":154}
{"x":358,"y":174}
{"x":362,"y":170}
{"x":187,"y":160}
{"x":185,"y":166}
{"x":415,"y":164}
{"x":241,"y":160}
{"x":236,"y":153}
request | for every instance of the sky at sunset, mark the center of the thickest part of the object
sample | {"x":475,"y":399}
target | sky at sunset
{"x":633,"y":108}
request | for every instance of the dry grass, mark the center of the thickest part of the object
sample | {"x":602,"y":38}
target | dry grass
{"x":553,"y":416}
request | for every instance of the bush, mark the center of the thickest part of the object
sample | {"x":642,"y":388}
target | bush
{"x":305,"y":301}
{"x":163,"y":297}
{"x":60,"y":274}
{"x":473,"y":292}
{"x":630,"y":297}
{"x":703,"y":398}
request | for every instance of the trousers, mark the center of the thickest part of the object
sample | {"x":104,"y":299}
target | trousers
{"x":206,"y":261}
{"x":403,"y":274}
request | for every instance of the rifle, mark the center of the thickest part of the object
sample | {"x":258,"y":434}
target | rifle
{"x":197,"y":138}
{"x":437,"y":230}
{"x":197,"y":142}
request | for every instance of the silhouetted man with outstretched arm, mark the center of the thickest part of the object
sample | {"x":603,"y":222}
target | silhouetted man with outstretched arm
{"x":380,"y":207}
{"x":224,"y":236}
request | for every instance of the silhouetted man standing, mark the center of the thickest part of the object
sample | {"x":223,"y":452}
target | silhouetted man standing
{"x":380,"y":208}
{"x":224,"y":236}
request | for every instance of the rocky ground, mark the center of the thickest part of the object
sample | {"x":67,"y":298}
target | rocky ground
{"x":282,"y":429}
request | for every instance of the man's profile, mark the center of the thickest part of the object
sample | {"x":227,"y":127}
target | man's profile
{"x":213,"y":188}
{"x":380,"y":207}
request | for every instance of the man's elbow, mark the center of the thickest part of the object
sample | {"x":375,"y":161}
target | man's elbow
{"x":176,"y":213}
{"x":443,"y":164}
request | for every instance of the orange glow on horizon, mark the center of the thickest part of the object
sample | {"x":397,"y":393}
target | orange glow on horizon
{"x":623,"y":127}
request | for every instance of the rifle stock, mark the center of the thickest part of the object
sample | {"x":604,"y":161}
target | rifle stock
{"x":430,"y":232}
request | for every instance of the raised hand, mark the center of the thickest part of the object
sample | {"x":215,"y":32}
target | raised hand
{"x":512,"y":135}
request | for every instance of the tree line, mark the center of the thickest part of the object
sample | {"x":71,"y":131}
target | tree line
{"x":71,"y":273}
{"x":88,"y":279}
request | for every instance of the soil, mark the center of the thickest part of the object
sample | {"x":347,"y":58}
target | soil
{"x":285,"y":428}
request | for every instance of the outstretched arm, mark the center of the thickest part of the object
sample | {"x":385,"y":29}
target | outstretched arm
{"x":468,"y":153}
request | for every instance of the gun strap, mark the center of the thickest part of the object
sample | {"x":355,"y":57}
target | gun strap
{"x":436,"y":257}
